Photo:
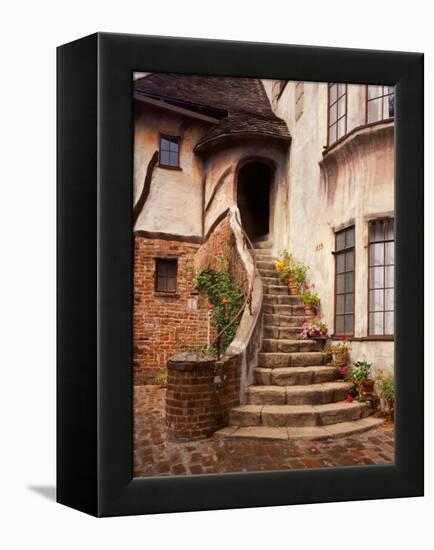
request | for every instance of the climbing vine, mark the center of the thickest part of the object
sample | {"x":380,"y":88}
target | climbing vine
{"x":224,"y":296}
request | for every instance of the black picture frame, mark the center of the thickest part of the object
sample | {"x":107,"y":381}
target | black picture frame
{"x":95,"y":275}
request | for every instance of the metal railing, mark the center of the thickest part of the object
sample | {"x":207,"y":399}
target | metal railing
{"x":247,"y":243}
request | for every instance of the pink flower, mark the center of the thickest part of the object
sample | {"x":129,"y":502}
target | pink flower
{"x":349,"y":398}
{"x":343,"y":370}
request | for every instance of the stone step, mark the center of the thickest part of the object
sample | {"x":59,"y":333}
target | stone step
{"x":300,"y":359}
{"x":265,"y":264}
{"x":264,"y":256}
{"x":276,"y":319}
{"x":312,"y":394}
{"x":273,"y":281}
{"x":315,"y":433}
{"x":267,"y":272}
{"x":279,"y":304}
{"x":276,"y":290}
{"x":261,"y":245}
{"x":295,"y":376}
{"x":298,"y":416}
{"x":288,"y":346}
{"x":288,"y":333}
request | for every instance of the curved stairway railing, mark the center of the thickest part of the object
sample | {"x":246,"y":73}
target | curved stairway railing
{"x":247,"y":243}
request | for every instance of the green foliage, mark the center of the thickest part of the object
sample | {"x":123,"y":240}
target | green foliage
{"x":287,"y":267}
{"x":161,"y":379}
{"x":386,"y":386}
{"x":360,"y":371}
{"x":225,"y":297}
{"x":309,"y":298}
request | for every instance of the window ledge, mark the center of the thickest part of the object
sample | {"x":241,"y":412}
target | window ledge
{"x":166,"y":294}
{"x":168,"y":167}
{"x":362,"y":129}
{"x":379,"y":338}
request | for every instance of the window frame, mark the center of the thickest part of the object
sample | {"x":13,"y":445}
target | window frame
{"x":368,"y":100}
{"x":158,"y":262}
{"x":384,"y":334}
{"x":345,"y":116}
{"x":173,"y":139}
{"x":336,"y":253}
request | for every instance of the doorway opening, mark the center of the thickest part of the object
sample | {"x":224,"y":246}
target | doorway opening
{"x":253,"y":199}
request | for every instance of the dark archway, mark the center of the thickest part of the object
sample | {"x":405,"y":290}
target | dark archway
{"x":253,"y":199}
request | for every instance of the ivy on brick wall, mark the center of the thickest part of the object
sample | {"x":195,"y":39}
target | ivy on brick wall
{"x":224,"y":296}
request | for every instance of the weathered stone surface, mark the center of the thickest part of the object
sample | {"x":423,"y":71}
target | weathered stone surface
{"x":261,"y":432}
{"x":276,"y":289}
{"x":289,"y":415}
{"x":289,"y":333}
{"x":307,"y":359}
{"x":274,"y":360}
{"x":266,"y":395}
{"x":245,"y":415}
{"x":291,"y":376}
{"x":358,"y":426}
{"x":315,"y":394}
{"x":262,"y":376}
{"x":332,"y":413}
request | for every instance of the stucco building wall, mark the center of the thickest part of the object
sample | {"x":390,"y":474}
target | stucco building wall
{"x":349,"y":184}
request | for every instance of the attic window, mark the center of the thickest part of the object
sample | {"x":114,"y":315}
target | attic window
{"x":169,"y":151}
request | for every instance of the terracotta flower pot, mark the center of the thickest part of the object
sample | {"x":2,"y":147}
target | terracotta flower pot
{"x":366,"y":388}
{"x":293,"y":286}
{"x":309,"y":310}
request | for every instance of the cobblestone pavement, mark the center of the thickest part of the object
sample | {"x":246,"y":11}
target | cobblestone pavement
{"x":155,"y":456}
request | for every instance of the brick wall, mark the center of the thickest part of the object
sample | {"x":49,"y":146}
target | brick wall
{"x":222,"y":243}
{"x":164,"y":324}
{"x":200,"y":393}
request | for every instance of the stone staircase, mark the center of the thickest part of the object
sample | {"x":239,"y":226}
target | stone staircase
{"x":296,"y":394}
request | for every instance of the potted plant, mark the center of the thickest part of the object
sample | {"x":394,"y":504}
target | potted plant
{"x":290,"y":271}
{"x":310,"y":300}
{"x":360,"y":372}
{"x":315,"y":330}
{"x":386,"y":386}
{"x":339,"y":351}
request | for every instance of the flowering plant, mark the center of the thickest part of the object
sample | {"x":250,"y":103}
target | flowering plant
{"x":308,"y":297}
{"x":314,"y":328}
{"x":288,"y":268}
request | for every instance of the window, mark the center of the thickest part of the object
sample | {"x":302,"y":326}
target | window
{"x":165,"y":275}
{"x":381,"y":277}
{"x":344,"y":281}
{"x":380,"y":103}
{"x":299,"y":99}
{"x":169,"y":151}
{"x":337,"y":111}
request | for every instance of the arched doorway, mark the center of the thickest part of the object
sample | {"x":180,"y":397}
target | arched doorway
{"x":253,"y":199}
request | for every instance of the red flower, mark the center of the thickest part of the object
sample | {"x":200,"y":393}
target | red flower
{"x":210,"y":306}
{"x":343,"y":370}
{"x":349,"y":398}
{"x":224,"y":301}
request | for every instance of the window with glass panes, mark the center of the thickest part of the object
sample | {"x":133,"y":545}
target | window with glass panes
{"x":165,"y":275}
{"x":381,"y":277}
{"x":380,"y":102}
{"x":337,"y":111}
{"x":169,"y":151}
{"x":344,"y":281}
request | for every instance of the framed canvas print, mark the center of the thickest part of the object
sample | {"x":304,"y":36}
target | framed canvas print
{"x":240,"y":274}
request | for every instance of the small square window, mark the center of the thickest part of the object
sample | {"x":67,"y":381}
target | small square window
{"x":169,"y":151}
{"x":165,"y":275}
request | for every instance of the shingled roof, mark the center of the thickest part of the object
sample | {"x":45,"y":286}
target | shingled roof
{"x":240,"y":104}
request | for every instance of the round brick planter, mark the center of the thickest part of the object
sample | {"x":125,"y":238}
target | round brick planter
{"x":200,"y":392}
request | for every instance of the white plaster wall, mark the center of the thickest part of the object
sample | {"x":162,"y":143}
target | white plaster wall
{"x":357,"y":185}
{"x":220,"y":169}
{"x":174,"y":204}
